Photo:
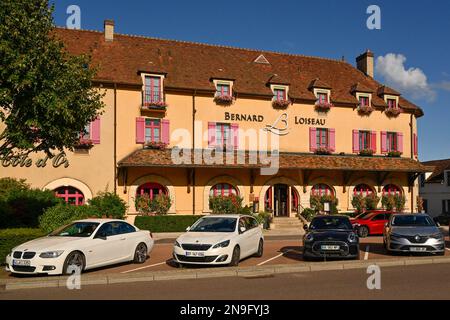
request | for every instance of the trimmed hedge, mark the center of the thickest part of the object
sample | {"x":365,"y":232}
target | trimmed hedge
{"x":171,"y":223}
{"x":62,"y":214}
{"x":10,"y":238}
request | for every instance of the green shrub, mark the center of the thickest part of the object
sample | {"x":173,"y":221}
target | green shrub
{"x":231,"y":204}
{"x":165,"y":223}
{"x":264,"y":218}
{"x":388,"y":202}
{"x":160,"y":204}
{"x":10,"y":238}
{"x":109,"y":204}
{"x":308,"y":214}
{"x":246,"y":210}
{"x":317,"y":203}
{"x":400,"y":202}
{"x":359,"y":203}
{"x":372,"y":201}
{"x":9,"y":185}
{"x":64,"y":214}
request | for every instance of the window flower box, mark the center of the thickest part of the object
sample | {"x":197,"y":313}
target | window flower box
{"x":323,"y":106}
{"x":366,"y":152}
{"x":394,"y":154}
{"x":281,"y":103}
{"x":84,"y":144}
{"x":224,"y":100}
{"x":322,"y":151}
{"x":365,"y":109}
{"x":155,"y":105}
{"x":155,"y":145}
{"x":393,"y":112}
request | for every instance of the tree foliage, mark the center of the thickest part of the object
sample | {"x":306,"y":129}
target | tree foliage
{"x":46,"y":94}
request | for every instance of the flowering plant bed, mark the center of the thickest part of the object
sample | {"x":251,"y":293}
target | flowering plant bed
{"x":365,"y":109}
{"x":322,"y":151}
{"x":155,"y":145}
{"x":281,"y":103}
{"x":84,"y":144}
{"x":394,"y":154}
{"x":224,"y":100}
{"x":323,"y":106}
{"x":155,"y":105}
{"x":393,"y":112}
{"x":366,"y":152}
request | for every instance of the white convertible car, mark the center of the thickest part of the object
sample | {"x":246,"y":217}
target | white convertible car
{"x":82,"y":245}
{"x":220,"y":240}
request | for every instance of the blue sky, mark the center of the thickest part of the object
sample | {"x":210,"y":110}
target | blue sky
{"x":417,"y":30}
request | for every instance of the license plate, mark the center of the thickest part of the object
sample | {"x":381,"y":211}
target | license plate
{"x":195,"y":254}
{"x":417,"y":249}
{"x":330,"y":248}
{"x":21,"y":263}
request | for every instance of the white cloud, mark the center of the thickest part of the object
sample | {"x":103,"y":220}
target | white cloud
{"x":412,"y":81}
{"x":444,"y":85}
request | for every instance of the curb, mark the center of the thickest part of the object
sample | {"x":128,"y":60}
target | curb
{"x":243,"y":272}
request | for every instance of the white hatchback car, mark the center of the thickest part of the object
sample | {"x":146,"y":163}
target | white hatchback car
{"x":82,"y":245}
{"x":220,"y":240}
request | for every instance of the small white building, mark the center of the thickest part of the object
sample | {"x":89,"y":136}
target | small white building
{"x":435,"y":188}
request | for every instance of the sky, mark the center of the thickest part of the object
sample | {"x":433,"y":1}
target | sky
{"x":411,"y":48}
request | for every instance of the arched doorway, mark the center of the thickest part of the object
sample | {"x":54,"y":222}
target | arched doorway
{"x":281,"y":199}
{"x":70,"y":195}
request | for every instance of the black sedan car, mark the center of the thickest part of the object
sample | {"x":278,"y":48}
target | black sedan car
{"x":330,"y":237}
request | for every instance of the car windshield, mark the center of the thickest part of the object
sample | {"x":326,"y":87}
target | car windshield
{"x":412,"y":221}
{"x":77,"y":229}
{"x":331,"y":223}
{"x":365,"y":215}
{"x":215,"y":224}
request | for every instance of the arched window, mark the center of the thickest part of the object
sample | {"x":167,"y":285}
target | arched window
{"x":223,"y":189}
{"x":391,"y":189}
{"x":362,"y":190}
{"x":294,"y":200}
{"x":152,"y":189}
{"x":71,"y":195}
{"x":322,"y":190}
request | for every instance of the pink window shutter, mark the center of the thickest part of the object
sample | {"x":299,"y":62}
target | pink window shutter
{"x":95,"y":131}
{"x":332,"y":140}
{"x":165,"y":131}
{"x":140,"y":130}
{"x":211,"y":134}
{"x":373,"y":141}
{"x":235,"y":133}
{"x":400,"y":142}
{"x":355,"y":141}
{"x":312,"y":139}
{"x":383,"y":142}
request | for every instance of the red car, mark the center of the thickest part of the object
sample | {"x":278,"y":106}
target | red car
{"x":371,"y":222}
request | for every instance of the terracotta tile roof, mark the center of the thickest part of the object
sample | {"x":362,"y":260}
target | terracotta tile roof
{"x":191,"y":65}
{"x":358,"y":87}
{"x":439,"y":167}
{"x":276,"y":79}
{"x":162,"y":158}
{"x":387,"y":90}
{"x":317,"y":83}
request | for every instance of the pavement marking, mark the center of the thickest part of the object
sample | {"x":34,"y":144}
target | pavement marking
{"x":146,"y":267}
{"x":366,"y":255}
{"x":276,"y":257}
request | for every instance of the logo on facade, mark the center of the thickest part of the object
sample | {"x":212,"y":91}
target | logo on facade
{"x":23,"y":161}
{"x":280,"y":127}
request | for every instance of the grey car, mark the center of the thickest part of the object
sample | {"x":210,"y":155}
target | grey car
{"x":413,"y":233}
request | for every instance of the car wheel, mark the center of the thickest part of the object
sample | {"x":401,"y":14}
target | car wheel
{"x":363,"y":231}
{"x":260,"y":251}
{"x":74,"y":261}
{"x":235,"y":257}
{"x":140,"y":254}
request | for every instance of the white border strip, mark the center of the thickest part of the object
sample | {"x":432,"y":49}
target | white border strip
{"x":146,"y":267}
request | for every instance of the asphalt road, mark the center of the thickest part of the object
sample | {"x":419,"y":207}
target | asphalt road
{"x":425,"y":282}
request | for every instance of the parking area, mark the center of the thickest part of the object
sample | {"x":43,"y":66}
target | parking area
{"x":277,"y":251}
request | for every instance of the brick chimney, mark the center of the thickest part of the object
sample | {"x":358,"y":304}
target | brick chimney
{"x":109,"y":30}
{"x":364,"y":63}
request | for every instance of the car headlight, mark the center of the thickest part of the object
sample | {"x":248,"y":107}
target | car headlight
{"x":51,"y":254}
{"x":352,"y":237}
{"x":438,"y":236}
{"x":177,"y":244}
{"x":222,"y":244}
{"x":309,"y":237}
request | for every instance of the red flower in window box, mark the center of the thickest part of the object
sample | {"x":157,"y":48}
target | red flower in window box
{"x":223,"y":99}
{"x":156,"y":145}
{"x":323,"y":106}
{"x":155,"y":105}
{"x":322,"y":151}
{"x":84,"y":144}
{"x":366,"y":152}
{"x":393,"y":112}
{"x":365,"y":109}
{"x":281,"y":103}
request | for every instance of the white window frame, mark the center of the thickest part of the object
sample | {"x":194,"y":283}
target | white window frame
{"x":274,"y":87}
{"x":364,"y":95}
{"x":323,"y":91}
{"x":161,"y":76}
{"x":223,"y":82}
{"x":389,"y":97}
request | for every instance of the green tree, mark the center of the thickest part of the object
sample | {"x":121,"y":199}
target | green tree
{"x":46,"y":94}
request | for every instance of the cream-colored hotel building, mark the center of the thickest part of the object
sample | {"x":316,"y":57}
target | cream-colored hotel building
{"x":315,"y":116}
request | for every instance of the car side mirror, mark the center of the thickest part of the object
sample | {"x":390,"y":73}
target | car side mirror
{"x":242,"y":229}
{"x":188,"y":229}
{"x":438,"y":224}
{"x":101,"y":235}
{"x":305,"y":227}
{"x":386,"y":224}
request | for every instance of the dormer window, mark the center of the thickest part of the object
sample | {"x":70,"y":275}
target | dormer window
{"x":223,"y":89}
{"x":280,"y":98}
{"x":322,"y":97}
{"x":224,"y":92}
{"x":323,"y":103}
{"x":364,"y":101}
{"x":280,"y":94}
{"x":153,"y":94}
{"x":392,"y":103}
